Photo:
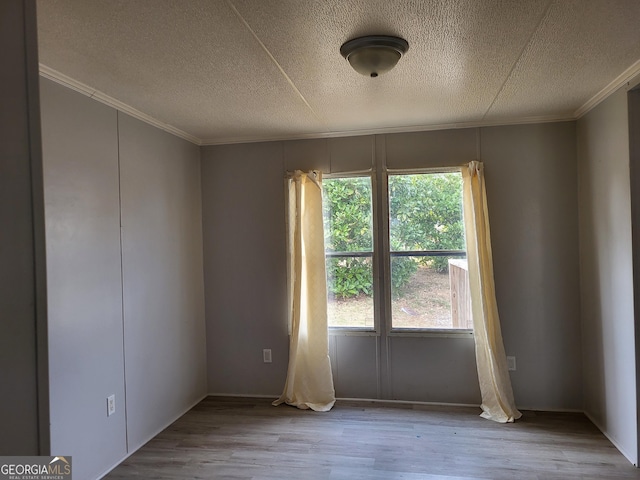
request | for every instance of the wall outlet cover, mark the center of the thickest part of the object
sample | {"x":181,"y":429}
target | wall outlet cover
{"x":111,"y":405}
{"x":266,"y":355}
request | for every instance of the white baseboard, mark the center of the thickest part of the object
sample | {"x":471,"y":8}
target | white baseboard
{"x":631,"y":458}
{"x":347,"y":399}
{"x":400,"y":402}
{"x":547,"y":409}
{"x":241,"y":395}
{"x":382,"y":401}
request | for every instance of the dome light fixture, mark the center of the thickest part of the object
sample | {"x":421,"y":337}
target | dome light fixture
{"x":374,"y":54}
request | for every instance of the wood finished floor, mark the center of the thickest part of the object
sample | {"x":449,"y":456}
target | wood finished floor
{"x":224,"y":438}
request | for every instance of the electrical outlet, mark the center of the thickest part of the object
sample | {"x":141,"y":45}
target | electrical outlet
{"x":511,"y":363}
{"x":266,"y":355}
{"x":111,"y":405}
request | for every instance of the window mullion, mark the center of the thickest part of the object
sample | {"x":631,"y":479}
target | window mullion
{"x":348,"y":254}
{"x":383,"y":280}
{"x":428,"y":253}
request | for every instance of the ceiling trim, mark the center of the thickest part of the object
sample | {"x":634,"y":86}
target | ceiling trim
{"x":618,"y":82}
{"x":390,"y":130}
{"x":62,"y":79}
{"x":51,"y":74}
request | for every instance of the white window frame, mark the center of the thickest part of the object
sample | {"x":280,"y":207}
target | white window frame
{"x":381,"y":260}
{"x":375,"y":260}
{"x":386,"y":253}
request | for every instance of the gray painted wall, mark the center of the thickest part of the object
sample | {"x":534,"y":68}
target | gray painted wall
{"x":23,"y":354}
{"x":532,"y":194}
{"x":80,"y":144}
{"x":245,"y":282}
{"x":164,"y":327}
{"x":533,"y":207}
{"x":126,"y":309}
{"x":606,"y":272}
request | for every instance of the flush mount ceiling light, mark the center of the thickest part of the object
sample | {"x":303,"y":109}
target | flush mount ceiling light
{"x":374,"y":54}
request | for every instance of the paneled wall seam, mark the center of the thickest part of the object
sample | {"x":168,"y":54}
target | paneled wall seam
{"x":124,"y":355}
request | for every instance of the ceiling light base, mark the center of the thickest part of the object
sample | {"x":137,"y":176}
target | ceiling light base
{"x":375,"y":54}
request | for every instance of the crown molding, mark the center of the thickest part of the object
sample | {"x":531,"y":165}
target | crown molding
{"x":390,"y":130}
{"x":622,"y":79}
{"x":62,"y":79}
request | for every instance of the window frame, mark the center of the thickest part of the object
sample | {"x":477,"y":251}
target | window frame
{"x":381,"y":258}
{"x":375,"y":261}
{"x":387,"y":254}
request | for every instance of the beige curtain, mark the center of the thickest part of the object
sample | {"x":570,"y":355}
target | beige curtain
{"x":495,"y":385}
{"x":309,"y":382}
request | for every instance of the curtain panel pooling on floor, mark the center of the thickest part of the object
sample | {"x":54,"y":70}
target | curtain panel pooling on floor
{"x":495,"y":385}
{"x":309,"y":382}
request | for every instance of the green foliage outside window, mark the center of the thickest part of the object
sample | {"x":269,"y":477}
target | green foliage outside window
{"x":425,"y":214}
{"x":349,"y":277}
{"x":347,"y":214}
{"x":348,"y":228}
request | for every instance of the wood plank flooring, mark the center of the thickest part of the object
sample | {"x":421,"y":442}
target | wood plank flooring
{"x":234,"y":438}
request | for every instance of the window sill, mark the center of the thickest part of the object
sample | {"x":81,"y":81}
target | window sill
{"x":403,"y":332}
{"x":354,"y":331}
{"x":432,"y":332}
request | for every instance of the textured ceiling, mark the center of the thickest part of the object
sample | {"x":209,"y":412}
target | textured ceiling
{"x":220,"y":71}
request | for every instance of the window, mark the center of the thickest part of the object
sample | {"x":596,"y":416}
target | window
{"x":348,"y":227}
{"x":427,"y":252}
{"x":424,"y":253}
